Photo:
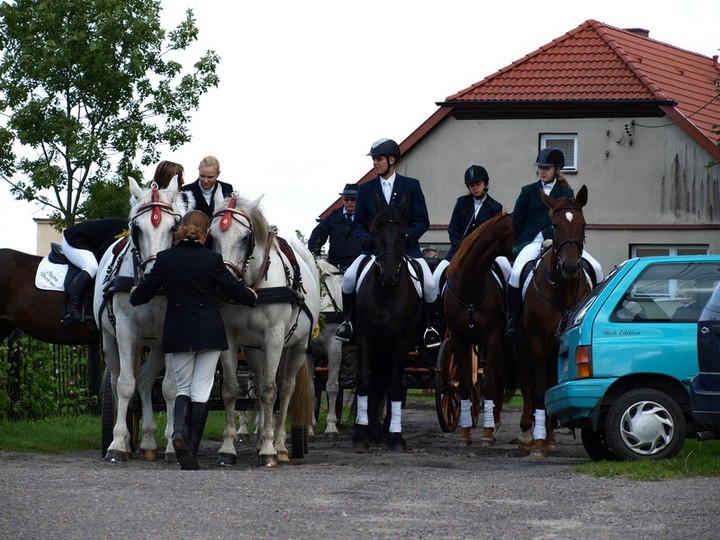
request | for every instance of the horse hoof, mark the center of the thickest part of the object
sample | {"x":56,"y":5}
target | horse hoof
{"x":360,"y":447}
{"x":226,"y":459}
{"x":465,"y":438}
{"x":488,"y":438}
{"x":538,"y":449}
{"x":268,"y":461}
{"x":396,"y":443}
{"x":113,"y":456}
{"x":170,"y":458}
{"x":551,"y":446}
{"x":283,"y":457}
{"x":525,"y":440}
{"x":148,"y":455}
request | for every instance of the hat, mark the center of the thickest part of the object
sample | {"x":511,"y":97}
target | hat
{"x":350,"y":190}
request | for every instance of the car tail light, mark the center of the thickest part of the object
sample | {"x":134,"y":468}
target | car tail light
{"x":583,"y":362}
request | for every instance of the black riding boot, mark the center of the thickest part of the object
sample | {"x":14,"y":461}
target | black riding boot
{"x":431,"y":337}
{"x":344,"y":332}
{"x":76,"y":294}
{"x":198,"y":418}
{"x":514,"y":299}
{"x":181,"y":434}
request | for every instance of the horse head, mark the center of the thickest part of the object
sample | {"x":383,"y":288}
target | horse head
{"x":568,"y":225}
{"x":153,"y":220}
{"x":237,"y":226}
{"x":389,"y":227}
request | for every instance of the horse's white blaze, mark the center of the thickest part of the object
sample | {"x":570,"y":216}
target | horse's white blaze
{"x":569,"y":216}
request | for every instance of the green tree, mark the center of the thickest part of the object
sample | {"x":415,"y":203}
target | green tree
{"x":88,"y":88}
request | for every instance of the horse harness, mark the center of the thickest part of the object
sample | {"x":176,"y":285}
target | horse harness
{"x":293,"y":292}
{"x":470,"y":307}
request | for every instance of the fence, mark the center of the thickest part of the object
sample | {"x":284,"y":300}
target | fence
{"x":39,"y":379}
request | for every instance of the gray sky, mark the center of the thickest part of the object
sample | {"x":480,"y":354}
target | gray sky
{"x":306,"y":87}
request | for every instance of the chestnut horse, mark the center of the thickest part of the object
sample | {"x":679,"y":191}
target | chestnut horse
{"x":36,"y":312}
{"x":474,"y":307}
{"x":557,"y":285}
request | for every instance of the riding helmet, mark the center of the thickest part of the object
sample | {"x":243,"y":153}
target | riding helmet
{"x":476,"y":173}
{"x":550,"y":156}
{"x":385,"y":147}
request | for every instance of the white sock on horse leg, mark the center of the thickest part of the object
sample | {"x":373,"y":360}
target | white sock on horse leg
{"x":362,"y":413}
{"x":465,"y":413}
{"x":488,"y":414}
{"x":395,"y":416}
{"x":539,"y":431}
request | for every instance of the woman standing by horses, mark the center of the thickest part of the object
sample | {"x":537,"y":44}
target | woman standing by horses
{"x":532,"y":224}
{"x":193,"y":331}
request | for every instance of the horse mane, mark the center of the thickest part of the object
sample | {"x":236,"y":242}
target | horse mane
{"x":260,"y":225}
{"x":478,"y":235}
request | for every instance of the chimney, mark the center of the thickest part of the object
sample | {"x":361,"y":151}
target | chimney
{"x":638,"y":31}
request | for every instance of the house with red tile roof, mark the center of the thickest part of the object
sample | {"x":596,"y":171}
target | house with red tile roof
{"x":635,"y":117}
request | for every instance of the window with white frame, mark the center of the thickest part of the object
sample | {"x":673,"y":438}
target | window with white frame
{"x":567,"y":143}
{"x":661,"y":250}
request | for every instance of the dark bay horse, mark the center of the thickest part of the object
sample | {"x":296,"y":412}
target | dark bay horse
{"x":388,"y":311}
{"x":474,"y":307}
{"x":36,"y":312}
{"x":557,"y":285}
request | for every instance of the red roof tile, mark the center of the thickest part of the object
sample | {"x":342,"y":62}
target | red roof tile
{"x":597,"y":62}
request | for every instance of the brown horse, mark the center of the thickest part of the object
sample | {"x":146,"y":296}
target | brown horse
{"x":557,"y":285}
{"x":35,"y":311}
{"x":474,"y":302}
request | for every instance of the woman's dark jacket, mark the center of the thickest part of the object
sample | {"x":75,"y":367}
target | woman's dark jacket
{"x":464,"y":221}
{"x":190,"y":274}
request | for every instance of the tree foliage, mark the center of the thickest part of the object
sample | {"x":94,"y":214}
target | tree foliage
{"x":88,"y":91}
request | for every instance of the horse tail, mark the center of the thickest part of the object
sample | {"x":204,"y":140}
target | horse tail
{"x":510,"y":375}
{"x":301,"y":406}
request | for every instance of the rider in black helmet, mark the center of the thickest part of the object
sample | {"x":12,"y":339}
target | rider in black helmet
{"x":471,"y":210}
{"x":391,"y":187}
{"x":532,"y":224}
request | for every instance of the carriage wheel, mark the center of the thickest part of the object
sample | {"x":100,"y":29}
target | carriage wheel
{"x":298,"y":437}
{"x":447,"y":391}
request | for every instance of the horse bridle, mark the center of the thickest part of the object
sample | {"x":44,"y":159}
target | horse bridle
{"x":400,"y":256}
{"x":157,"y":208}
{"x":227,"y":217}
{"x":568,"y":241}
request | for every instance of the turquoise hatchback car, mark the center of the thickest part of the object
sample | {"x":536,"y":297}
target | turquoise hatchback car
{"x":628,"y":355}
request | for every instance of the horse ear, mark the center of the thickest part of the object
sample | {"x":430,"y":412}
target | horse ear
{"x":173,"y":186}
{"x":255,"y":203}
{"x":135,"y":190}
{"x":378,"y":201}
{"x":547,"y":199}
{"x":581,"y":197}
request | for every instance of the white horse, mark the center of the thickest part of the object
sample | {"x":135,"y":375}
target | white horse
{"x":325,"y":343}
{"x":278,"y":328}
{"x":126,"y":329}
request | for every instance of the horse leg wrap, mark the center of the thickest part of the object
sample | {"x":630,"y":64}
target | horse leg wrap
{"x":362,"y":410}
{"x":539,"y":432}
{"x":488,"y":414}
{"x":465,"y":413}
{"x":395,"y":417}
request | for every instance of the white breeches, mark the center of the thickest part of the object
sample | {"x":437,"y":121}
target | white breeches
{"x":531,"y":252}
{"x":429,"y":293}
{"x":195,"y":373}
{"x":82,"y":258}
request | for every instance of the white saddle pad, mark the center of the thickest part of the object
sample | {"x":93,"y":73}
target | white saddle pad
{"x":413,"y":273}
{"x":50,"y":276}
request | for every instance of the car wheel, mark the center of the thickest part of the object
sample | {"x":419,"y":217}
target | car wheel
{"x":596,"y":446}
{"x":645,"y":424}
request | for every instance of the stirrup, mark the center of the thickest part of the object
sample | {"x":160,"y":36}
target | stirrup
{"x":431,"y":338}
{"x":344,"y":332}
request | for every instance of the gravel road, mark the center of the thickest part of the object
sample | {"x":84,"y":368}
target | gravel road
{"x":435,"y":490}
